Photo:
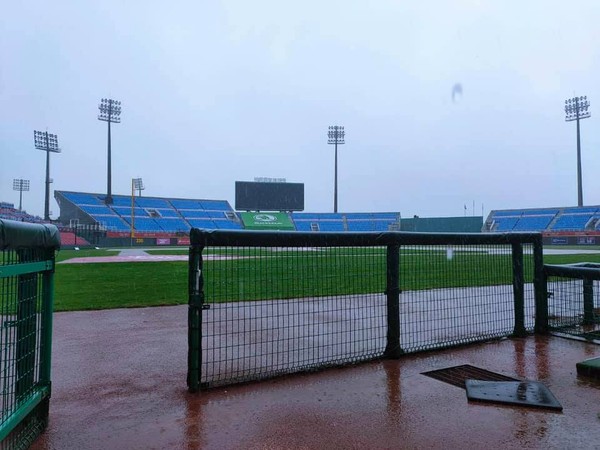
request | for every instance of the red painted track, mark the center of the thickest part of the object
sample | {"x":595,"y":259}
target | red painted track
{"x":119,"y":383}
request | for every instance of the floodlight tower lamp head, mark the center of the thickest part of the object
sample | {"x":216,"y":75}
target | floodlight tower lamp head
{"x":110,"y":110}
{"x":577,"y":108}
{"x":46,"y":141}
{"x":336,"y":135}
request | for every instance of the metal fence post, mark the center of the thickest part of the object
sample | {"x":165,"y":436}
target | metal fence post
{"x":46,"y":332}
{"x":588,"y":301}
{"x":26,"y":328}
{"x":518,"y":289}
{"x":392,"y":348}
{"x":195,"y":290}
{"x":540,"y":288}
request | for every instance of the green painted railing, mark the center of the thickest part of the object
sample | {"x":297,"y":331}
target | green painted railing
{"x":26,"y":304}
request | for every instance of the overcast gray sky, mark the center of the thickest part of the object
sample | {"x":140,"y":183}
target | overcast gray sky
{"x":219,"y":91}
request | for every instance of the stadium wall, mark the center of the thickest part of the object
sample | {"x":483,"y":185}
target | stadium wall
{"x":471,"y":224}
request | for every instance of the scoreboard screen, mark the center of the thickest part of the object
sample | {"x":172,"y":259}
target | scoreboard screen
{"x":257,"y":196}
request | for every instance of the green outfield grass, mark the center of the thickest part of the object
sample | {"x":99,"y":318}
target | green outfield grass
{"x":119,"y":285}
{"x":311,"y":273}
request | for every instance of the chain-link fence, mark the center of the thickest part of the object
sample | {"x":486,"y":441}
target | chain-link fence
{"x":263,"y":304}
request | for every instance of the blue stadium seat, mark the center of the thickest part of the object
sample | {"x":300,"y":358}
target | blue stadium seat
{"x":82,"y":199}
{"x":360,"y":225}
{"x":216,"y":214}
{"x":227,"y":225}
{"x":149,"y":202}
{"x":168,"y":213}
{"x":144,"y":224}
{"x":218,"y":205}
{"x":125,"y":211}
{"x":303,"y":225}
{"x":97,"y":209}
{"x":202,"y":223}
{"x":505,"y":223}
{"x":533,"y":223}
{"x":172,"y":225}
{"x":194,"y":214}
{"x":112,"y":223}
{"x":186,"y":204}
{"x":121,"y":200}
{"x":574,"y":222}
{"x":333,"y":225}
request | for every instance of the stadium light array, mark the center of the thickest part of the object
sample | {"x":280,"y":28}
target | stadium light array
{"x":335,"y":136}
{"x":110,"y":112}
{"x":21,"y":186}
{"x":138,"y":185}
{"x":49,"y":143}
{"x":577,"y":108}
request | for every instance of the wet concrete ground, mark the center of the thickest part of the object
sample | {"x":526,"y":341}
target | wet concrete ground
{"x":119,"y":383}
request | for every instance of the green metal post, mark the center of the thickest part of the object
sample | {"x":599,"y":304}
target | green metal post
{"x":195,"y":290}
{"x":518,"y":290}
{"x":46,"y":336}
{"x":540,"y":289}
{"x":46,"y":327}
{"x":588,"y":301}
{"x":26,"y":328}
{"x":393,"y":349}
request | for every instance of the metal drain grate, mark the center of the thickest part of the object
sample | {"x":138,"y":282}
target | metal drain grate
{"x":458,"y":374}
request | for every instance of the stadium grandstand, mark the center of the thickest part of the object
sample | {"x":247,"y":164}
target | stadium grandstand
{"x":86,"y":219}
{"x":545,"y":220}
{"x":8,"y":211}
{"x":163,"y":221}
{"x":152,"y":215}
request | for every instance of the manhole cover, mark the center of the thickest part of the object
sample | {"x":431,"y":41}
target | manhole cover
{"x":520,"y":393}
{"x":457,"y":375}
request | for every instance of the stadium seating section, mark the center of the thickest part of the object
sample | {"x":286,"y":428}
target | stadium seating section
{"x":164,"y":215}
{"x":545,"y":219}
{"x":154,"y":215}
{"x":346,"y":221}
{"x":8,"y":211}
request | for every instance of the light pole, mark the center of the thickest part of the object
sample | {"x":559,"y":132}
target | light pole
{"x":136,"y":185}
{"x":110,"y":110}
{"x":336,"y":136}
{"x":48,"y":143}
{"x":21,"y":186}
{"x":576,"y":108}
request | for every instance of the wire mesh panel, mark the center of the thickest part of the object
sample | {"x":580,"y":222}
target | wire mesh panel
{"x":25,"y":331}
{"x":574,"y":300}
{"x":455,"y":294}
{"x":263,"y":304}
{"x":280,"y":310}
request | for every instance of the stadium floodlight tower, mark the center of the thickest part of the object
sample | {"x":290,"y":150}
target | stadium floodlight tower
{"x":21,"y":186}
{"x":110,"y":112}
{"x":576,"y":108}
{"x":48,"y":143}
{"x":336,"y":136}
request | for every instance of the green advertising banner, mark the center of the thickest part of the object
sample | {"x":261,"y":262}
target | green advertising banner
{"x":266,"y":221}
